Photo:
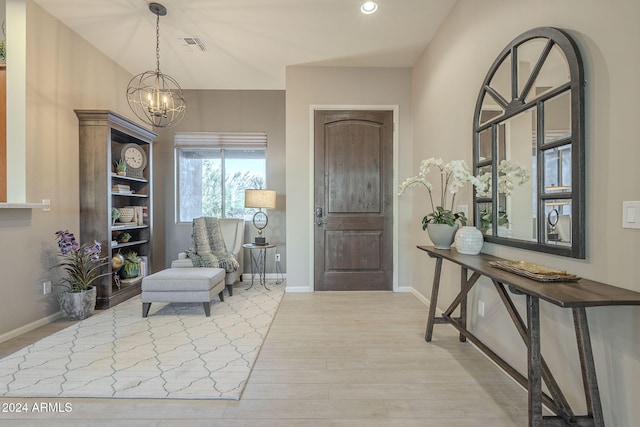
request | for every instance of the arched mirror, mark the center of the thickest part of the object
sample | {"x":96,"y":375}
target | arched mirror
{"x":528,"y":146}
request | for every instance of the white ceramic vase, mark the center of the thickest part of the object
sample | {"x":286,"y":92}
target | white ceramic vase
{"x":441,"y":235}
{"x":469,"y":240}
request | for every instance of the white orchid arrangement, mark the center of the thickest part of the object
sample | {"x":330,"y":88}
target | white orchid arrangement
{"x":510,"y":174}
{"x":453,"y":176}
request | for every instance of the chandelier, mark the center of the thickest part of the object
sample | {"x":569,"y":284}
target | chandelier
{"x":154,"y":97}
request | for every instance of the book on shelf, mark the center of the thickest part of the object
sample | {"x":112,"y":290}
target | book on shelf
{"x":139,"y":215}
{"x":121,"y":187}
{"x":144,"y":265}
{"x":123,"y":192}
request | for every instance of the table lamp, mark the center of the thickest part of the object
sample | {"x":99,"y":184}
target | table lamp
{"x":261,"y":199}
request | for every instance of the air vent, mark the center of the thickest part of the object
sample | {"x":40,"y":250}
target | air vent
{"x":193,"y":44}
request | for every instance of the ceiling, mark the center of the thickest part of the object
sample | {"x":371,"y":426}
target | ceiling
{"x":249,"y":43}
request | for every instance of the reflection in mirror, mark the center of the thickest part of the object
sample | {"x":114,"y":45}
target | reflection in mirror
{"x":553,"y":74}
{"x":500,"y":84}
{"x":528,"y":55}
{"x":515,"y":189}
{"x":557,"y":118}
{"x":485,"y":144}
{"x":490,"y":109}
{"x":529,"y":129}
{"x":558,"y":217}
{"x":557,"y":170}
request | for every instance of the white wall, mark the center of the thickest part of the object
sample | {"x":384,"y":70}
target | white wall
{"x":446,"y":83}
{"x":64,"y":73}
{"x":328,"y":86}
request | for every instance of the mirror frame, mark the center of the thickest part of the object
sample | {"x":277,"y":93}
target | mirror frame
{"x":559,"y":38}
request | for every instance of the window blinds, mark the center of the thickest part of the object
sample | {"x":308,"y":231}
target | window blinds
{"x":229,"y":140}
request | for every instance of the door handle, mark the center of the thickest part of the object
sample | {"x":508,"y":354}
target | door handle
{"x":319,"y":220}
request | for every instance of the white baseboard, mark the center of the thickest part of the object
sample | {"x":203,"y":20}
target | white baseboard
{"x":307,"y":288}
{"x":299,"y":289}
{"x":30,"y":327}
{"x":310,"y":289}
{"x":269,"y":276}
{"x":421,"y":297}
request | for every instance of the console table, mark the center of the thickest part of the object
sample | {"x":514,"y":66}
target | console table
{"x":574,"y":295}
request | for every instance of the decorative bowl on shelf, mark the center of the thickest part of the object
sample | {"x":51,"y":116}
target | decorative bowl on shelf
{"x":126,"y":214}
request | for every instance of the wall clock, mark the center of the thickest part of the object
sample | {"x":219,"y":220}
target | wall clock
{"x":136,"y":159}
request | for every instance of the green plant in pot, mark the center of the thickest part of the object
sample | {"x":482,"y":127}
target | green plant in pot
{"x":486,"y":218}
{"x":115,"y":214}
{"x":82,"y":265}
{"x":121,"y":167}
{"x":131,"y":266}
{"x":442,"y":222}
{"x":124,"y":237}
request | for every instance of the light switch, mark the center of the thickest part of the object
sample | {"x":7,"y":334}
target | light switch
{"x":630,"y":214}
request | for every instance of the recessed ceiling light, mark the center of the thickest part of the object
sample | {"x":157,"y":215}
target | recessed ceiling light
{"x":369,"y":7}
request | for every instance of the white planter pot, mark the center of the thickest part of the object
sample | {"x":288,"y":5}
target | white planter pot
{"x":469,"y":240}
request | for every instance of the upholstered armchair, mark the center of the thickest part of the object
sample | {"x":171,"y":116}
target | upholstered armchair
{"x":233,"y":235}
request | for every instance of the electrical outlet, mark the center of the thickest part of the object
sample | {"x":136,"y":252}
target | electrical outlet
{"x":480,"y":308}
{"x":46,"y":287}
{"x":277,"y":257}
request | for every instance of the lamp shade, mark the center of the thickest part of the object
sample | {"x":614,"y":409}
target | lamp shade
{"x":265,"y":199}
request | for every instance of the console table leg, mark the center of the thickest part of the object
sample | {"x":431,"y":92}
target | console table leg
{"x":434,"y":300}
{"x":463,"y":303}
{"x":534,"y":362}
{"x":589,"y":380}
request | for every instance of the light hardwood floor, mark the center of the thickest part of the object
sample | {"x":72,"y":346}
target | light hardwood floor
{"x":330,"y":359}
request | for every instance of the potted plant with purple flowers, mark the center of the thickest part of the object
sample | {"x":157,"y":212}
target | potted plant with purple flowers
{"x":83,"y":265}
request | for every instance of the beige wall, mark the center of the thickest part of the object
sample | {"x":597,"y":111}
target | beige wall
{"x":230,"y":111}
{"x":446,"y":82}
{"x":332,"y":87}
{"x":64,"y":73}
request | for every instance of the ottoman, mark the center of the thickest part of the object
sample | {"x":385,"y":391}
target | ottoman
{"x":183,"y":285}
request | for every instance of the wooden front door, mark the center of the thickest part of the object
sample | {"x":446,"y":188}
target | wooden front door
{"x":353,"y":200}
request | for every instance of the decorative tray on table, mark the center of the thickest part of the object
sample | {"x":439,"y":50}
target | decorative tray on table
{"x":534,"y":271}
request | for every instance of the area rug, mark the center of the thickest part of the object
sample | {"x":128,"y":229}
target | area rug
{"x":177,"y":352}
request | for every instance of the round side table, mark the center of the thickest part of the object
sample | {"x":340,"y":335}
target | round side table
{"x":258,"y":255}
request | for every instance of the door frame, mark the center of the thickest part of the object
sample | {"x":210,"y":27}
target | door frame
{"x":396,"y":117}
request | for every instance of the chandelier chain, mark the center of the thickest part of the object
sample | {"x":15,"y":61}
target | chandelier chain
{"x":158,"y":43}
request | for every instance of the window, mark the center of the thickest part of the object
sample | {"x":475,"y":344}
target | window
{"x":214,"y":169}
